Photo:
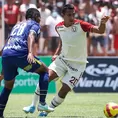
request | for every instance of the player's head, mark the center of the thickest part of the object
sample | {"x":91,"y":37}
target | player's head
{"x":33,"y":14}
{"x":68,"y":12}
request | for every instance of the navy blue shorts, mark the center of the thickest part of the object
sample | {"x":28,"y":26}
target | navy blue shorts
{"x":10,"y":66}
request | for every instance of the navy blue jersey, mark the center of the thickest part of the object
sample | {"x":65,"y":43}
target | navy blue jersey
{"x":17,"y":42}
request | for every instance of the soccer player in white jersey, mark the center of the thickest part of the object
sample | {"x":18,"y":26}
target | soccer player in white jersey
{"x":70,"y":57}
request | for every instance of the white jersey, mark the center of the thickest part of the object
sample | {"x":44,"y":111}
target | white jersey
{"x":74,"y":42}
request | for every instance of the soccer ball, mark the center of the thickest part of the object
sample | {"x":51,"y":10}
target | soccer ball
{"x":111,"y":110}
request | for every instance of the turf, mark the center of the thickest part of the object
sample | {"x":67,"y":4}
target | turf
{"x":81,"y":105}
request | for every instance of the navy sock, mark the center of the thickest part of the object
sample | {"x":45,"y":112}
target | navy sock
{"x":3,"y":99}
{"x":43,"y":85}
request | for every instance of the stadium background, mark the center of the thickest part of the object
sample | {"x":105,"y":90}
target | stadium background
{"x":98,"y":86}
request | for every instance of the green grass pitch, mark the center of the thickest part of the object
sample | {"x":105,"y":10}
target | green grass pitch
{"x":81,"y":105}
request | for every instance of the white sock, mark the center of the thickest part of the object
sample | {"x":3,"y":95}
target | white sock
{"x":36,"y":96}
{"x":56,"y":101}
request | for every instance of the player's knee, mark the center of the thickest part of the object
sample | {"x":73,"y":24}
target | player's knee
{"x":41,"y":69}
{"x":52,"y":75}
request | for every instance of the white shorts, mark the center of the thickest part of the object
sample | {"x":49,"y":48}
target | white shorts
{"x":70,"y":70}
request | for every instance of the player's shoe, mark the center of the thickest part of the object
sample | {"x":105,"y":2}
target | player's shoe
{"x":44,"y":108}
{"x":43,"y":114}
{"x":29,"y":109}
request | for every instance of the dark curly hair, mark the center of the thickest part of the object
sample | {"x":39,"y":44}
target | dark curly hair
{"x":66,"y":7}
{"x":32,"y":13}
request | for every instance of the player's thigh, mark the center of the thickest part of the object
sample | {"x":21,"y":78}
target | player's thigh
{"x":70,"y":80}
{"x":9,"y":68}
{"x":37,"y":67}
{"x":56,"y":68}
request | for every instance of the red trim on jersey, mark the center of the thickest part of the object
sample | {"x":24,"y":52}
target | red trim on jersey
{"x":87,"y":27}
{"x":60,"y":24}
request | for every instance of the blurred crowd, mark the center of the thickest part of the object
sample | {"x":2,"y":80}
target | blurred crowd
{"x":88,"y":10}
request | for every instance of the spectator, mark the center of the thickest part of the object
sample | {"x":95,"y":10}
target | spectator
{"x":45,"y":12}
{"x":11,"y":16}
{"x":24,"y":7}
{"x":83,"y":16}
{"x":59,"y":5}
{"x":98,"y":38}
{"x":51,"y":4}
{"x":88,"y":6}
{"x":76,"y":4}
{"x":53,"y":37}
{"x":115,"y":32}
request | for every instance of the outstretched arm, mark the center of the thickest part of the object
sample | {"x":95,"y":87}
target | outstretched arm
{"x":58,"y":50}
{"x":101,"y":28}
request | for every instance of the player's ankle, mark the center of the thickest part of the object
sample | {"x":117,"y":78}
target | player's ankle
{"x":43,"y":103}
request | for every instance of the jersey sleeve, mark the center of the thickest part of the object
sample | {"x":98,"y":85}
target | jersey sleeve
{"x":35,"y":29}
{"x":87,"y":27}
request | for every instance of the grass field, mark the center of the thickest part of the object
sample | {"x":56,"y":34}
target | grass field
{"x":82,"y":105}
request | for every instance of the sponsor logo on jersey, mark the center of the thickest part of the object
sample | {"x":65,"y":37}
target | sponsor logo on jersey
{"x":68,"y":65}
{"x":74,"y":29}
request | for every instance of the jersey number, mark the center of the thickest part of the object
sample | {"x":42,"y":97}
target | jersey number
{"x":74,"y":80}
{"x":18,"y":29}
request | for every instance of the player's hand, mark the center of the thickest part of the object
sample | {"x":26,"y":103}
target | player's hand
{"x":54,"y":57}
{"x":30,"y":58}
{"x":104,"y":19}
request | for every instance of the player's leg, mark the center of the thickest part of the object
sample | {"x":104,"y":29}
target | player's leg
{"x":68,"y":82}
{"x":32,"y":107}
{"x":39,"y":68}
{"x":43,"y":85}
{"x":66,"y":87}
{"x":10,"y":71}
{"x":52,"y":75}
{"x":1,"y":76}
{"x":56,"y":69}
{"x":58,"y":99}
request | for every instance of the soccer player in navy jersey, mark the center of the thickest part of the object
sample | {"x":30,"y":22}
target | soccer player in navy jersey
{"x":18,"y":53}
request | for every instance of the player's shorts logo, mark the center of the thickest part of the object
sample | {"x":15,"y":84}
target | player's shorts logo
{"x":74,"y":28}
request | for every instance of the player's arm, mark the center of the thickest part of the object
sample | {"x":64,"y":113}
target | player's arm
{"x":58,"y":50}
{"x":101,"y":28}
{"x":31,"y":40}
